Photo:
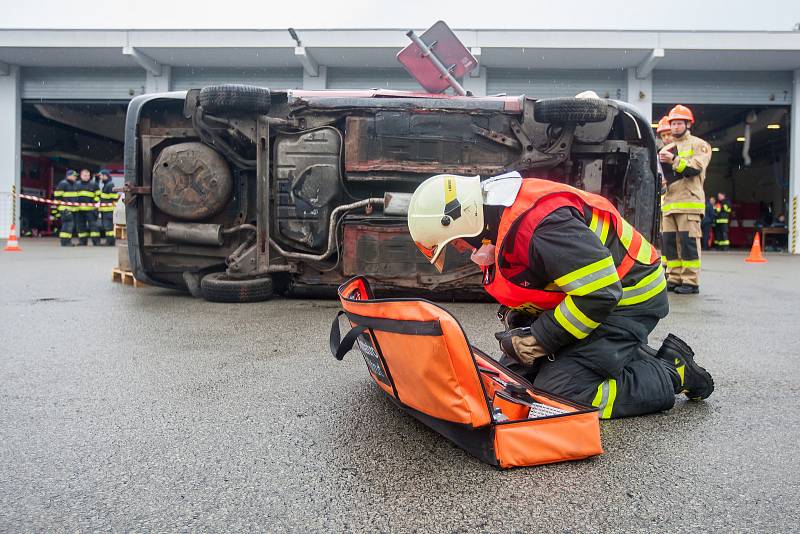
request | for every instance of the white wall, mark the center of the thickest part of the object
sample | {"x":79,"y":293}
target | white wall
{"x":765,"y":15}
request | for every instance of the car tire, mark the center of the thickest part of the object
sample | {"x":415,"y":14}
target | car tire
{"x":218,"y":287}
{"x":579,"y":110}
{"x":235,"y":98}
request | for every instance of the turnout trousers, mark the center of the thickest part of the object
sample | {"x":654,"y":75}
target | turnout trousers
{"x":721,"y":240}
{"x":612,"y":368}
{"x":107,"y":225}
{"x":67,"y":229}
{"x":86,"y":224}
{"x":680,"y":237}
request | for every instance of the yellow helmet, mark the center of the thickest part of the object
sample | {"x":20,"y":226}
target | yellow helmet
{"x":443,"y":208}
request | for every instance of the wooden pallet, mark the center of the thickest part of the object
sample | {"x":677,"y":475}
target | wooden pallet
{"x":120,"y":231}
{"x":126,"y":278}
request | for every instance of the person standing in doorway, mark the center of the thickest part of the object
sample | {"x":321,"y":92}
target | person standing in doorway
{"x":722,"y":220}
{"x":67,"y":191}
{"x":86,"y":221}
{"x":108,"y":201}
{"x":707,"y":223}
{"x":683,"y":205}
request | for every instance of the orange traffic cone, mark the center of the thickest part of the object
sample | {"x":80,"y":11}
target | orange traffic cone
{"x":755,"y":251}
{"x":12,"y":245}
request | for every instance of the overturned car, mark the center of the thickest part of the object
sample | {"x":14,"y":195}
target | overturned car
{"x":237,"y":192}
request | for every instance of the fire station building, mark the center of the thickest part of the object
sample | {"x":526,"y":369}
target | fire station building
{"x":63,"y":93}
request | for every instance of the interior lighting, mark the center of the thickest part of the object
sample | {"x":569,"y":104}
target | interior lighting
{"x":655,"y":125}
{"x":715,"y":149}
{"x":740,"y":139}
{"x":773,"y":126}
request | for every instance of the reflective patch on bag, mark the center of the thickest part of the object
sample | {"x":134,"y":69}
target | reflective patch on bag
{"x":372,"y":358}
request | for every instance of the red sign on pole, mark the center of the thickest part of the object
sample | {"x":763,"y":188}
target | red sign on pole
{"x":436,"y":59}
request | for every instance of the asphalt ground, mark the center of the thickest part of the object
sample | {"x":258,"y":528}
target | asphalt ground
{"x":147,"y":410}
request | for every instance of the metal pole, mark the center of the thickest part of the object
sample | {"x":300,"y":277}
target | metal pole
{"x":444,"y":71}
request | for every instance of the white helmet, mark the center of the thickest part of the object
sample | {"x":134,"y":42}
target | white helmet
{"x":443,"y":208}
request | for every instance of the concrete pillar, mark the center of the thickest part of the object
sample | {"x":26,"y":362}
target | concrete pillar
{"x":640,"y":93}
{"x":476,"y":84}
{"x":10,"y":145}
{"x":320,"y":81}
{"x":159,"y":84}
{"x":794,"y":168}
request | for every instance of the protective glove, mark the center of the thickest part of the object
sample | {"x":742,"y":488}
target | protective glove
{"x":512,"y":318}
{"x":520,"y":345}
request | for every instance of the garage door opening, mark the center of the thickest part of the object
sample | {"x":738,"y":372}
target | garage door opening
{"x":756,"y":179}
{"x":57,"y":136}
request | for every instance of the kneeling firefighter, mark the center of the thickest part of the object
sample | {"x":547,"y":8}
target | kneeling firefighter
{"x":580,"y":289}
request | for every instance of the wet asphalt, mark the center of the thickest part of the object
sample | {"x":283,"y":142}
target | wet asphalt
{"x":147,"y":410}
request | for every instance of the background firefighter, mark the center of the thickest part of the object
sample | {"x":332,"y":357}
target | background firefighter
{"x":683,"y":203}
{"x":86,"y":216}
{"x":582,"y":288}
{"x":108,"y":200}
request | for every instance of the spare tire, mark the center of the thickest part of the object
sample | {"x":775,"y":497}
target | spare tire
{"x":579,"y":110}
{"x":218,"y":287}
{"x":235,"y":98}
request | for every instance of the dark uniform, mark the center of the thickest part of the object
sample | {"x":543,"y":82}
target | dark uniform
{"x":722,"y":219}
{"x":108,"y":200}
{"x":86,"y":216}
{"x":67,"y":191}
{"x":599,"y":352}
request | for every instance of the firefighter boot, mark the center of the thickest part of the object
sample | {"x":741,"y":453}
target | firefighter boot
{"x":694,"y":381}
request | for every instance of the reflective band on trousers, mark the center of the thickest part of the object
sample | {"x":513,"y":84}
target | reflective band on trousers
{"x":647,"y":288}
{"x":683,"y":206}
{"x":573,"y":320}
{"x":691,"y":264}
{"x":590,"y":278}
{"x":605,"y":397}
{"x":721,"y":221}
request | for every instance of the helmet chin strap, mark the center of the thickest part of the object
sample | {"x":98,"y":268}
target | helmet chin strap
{"x":681,"y":135}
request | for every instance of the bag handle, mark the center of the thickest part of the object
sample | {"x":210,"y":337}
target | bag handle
{"x":340,"y":347}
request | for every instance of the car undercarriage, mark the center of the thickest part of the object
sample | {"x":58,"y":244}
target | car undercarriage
{"x":236,"y":192}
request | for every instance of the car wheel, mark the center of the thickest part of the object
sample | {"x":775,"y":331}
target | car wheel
{"x":235,"y":98}
{"x":218,"y":287}
{"x":580,"y":110}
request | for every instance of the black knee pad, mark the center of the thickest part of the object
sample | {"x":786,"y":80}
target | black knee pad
{"x":670,"y":241}
{"x":688,"y":246}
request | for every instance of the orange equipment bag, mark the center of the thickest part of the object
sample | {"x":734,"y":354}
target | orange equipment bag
{"x":419,"y":355}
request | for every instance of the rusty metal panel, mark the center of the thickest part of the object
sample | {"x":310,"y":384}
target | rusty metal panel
{"x":387,"y":253}
{"x":427,"y":143}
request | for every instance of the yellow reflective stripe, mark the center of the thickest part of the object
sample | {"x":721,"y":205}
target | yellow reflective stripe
{"x":600,"y":283}
{"x":579,"y":314}
{"x":70,"y":194}
{"x":645,"y":252}
{"x":627,"y":233}
{"x":686,"y":153}
{"x":566,"y":324}
{"x":57,"y":193}
{"x":64,"y":234}
{"x":647,"y":288}
{"x":583,"y":271}
{"x":674,"y":263}
{"x":573,"y":320}
{"x":692,"y":264}
{"x":449,"y":189}
{"x":683,"y":206}
{"x":681,"y":166}
{"x":612,"y":396}
{"x":599,"y":224}
{"x":681,"y":370}
{"x":605,"y":397}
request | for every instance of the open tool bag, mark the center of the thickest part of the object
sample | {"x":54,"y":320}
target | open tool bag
{"x":419,"y":355}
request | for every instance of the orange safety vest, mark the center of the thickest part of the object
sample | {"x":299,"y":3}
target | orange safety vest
{"x":542,"y":197}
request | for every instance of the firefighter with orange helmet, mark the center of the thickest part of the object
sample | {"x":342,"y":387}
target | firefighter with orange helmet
{"x":664,"y":131}
{"x":683,"y":203}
